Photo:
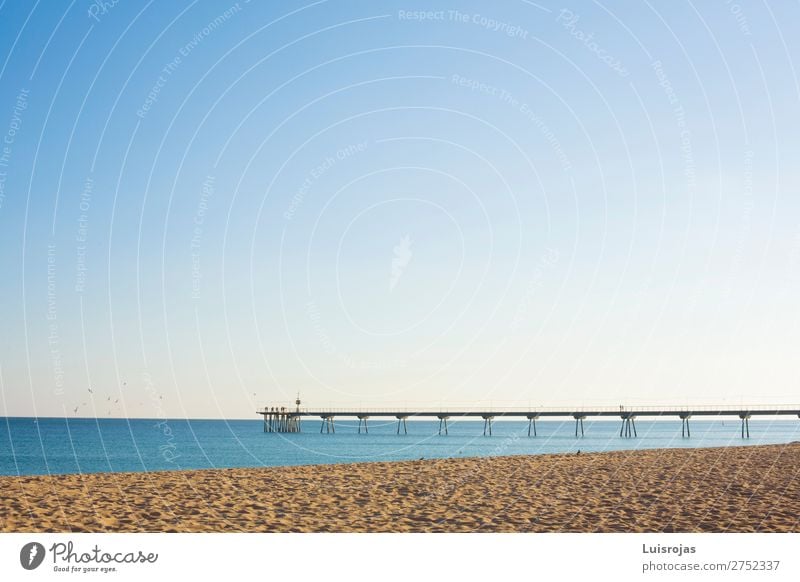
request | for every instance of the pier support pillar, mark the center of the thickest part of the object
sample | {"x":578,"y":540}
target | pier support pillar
{"x":578,"y":423}
{"x":366,"y":428}
{"x":532,"y":423}
{"x":487,"y":424}
{"x":745,"y":425}
{"x":628,"y":426}
{"x":402,"y":419}
{"x":327,"y":425}
{"x":685,"y":432}
{"x":443,"y":419}
{"x":275,"y":421}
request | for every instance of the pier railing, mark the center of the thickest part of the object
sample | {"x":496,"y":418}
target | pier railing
{"x":555,"y":410}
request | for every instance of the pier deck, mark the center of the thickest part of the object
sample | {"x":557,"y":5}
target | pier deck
{"x":284,"y":420}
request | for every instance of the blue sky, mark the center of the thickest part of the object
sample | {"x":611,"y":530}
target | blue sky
{"x":209,"y":206}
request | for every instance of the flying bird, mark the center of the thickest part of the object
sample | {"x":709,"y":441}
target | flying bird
{"x":75,"y":410}
{"x":91,"y":391}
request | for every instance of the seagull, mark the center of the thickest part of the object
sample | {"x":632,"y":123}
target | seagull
{"x":117,"y":400}
{"x":109,"y":398}
{"x":75,"y":410}
{"x":91,"y":391}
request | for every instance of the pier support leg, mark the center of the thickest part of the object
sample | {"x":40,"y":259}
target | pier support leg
{"x":685,"y":432}
{"x":402,"y":419}
{"x":442,"y":423}
{"x":745,"y":426}
{"x":531,"y":424}
{"x":578,"y":423}
{"x":628,"y":427}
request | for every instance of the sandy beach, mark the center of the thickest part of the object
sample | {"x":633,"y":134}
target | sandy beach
{"x":735,"y":489}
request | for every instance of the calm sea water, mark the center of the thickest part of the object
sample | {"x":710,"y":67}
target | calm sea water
{"x":59,"y":445}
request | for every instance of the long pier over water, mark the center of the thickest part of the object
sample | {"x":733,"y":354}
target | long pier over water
{"x":281,"y":419}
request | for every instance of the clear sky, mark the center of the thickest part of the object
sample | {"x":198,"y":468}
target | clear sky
{"x":208,"y":206}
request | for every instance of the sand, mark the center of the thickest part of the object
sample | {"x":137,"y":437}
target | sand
{"x":734,"y":489}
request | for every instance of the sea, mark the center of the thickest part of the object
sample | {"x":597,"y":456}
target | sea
{"x":43,"y":446}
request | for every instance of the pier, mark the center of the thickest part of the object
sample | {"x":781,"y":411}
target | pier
{"x":283,"y":420}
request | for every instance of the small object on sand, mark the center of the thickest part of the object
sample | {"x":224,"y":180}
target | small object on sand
{"x":579,"y":452}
